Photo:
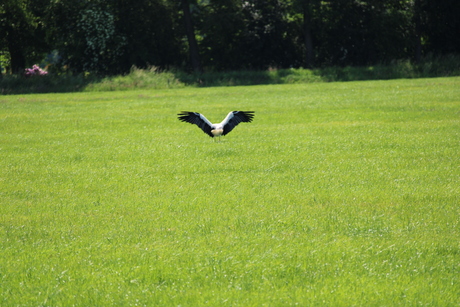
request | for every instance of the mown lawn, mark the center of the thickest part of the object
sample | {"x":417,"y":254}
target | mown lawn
{"x":337,"y":194}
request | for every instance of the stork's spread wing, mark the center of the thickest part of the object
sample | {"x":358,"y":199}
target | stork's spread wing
{"x":197,"y":119}
{"x":234,"y":118}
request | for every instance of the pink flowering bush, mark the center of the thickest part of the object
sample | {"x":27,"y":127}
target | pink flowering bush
{"x":35,"y":71}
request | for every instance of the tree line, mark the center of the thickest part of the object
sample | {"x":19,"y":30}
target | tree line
{"x":110,"y":36}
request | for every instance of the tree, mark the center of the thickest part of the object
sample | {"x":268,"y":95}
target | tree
{"x":248,"y":35}
{"x":364,"y":32}
{"x":441,"y":26}
{"x":151,"y":31}
{"x":307,"y":10}
{"x":110,"y":36}
{"x":309,"y":51}
{"x":22,"y":32}
{"x":417,"y":20}
{"x":268,"y":36}
{"x":193,"y":45}
{"x":86,"y":36}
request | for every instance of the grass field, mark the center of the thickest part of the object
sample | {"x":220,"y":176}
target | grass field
{"x":338,"y":194}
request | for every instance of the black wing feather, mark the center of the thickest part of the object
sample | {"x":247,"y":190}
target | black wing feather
{"x":238,"y":117}
{"x":194,"y":118}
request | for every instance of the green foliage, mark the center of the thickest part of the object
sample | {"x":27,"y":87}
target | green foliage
{"x":441,"y":24}
{"x":155,"y":78}
{"x":137,"y":79}
{"x":86,"y":36}
{"x":363,"y":32}
{"x":109,"y":37}
{"x":16,"y":84}
{"x":22,"y":32}
{"x":248,"y":35}
{"x":5,"y":60}
{"x":152,"y":29}
{"x":98,"y":28}
{"x":338,"y":194}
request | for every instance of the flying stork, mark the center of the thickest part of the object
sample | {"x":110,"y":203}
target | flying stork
{"x":231,"y":121}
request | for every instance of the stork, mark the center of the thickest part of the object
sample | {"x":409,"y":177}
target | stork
{"x":231,"y":121}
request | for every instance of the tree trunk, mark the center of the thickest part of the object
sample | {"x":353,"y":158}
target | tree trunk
{"x":309,"y":59}
{"x":18,"y":60}
{"x":15,"y":26}
{"x":418,"y":31}
{"x":193,"y":46}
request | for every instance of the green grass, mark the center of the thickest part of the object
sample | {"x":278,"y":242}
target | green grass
{"x":337,"y":194}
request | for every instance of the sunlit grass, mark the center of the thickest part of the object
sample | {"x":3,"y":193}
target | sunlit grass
{"x":336,"y":194}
